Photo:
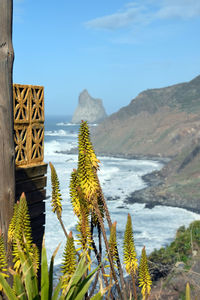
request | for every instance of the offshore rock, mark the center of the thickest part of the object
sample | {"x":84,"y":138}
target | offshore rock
{"x":89,"y":109}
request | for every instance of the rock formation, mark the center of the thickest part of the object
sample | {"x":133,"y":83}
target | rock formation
{"x":89,"y":109}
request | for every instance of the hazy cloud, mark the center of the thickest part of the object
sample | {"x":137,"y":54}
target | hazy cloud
{"x":184,"y":9}
{"x":134,"y":13}
{"x":117,"y":20}
{"x":18,"y":10}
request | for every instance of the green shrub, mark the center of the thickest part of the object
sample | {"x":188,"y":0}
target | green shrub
{"x":181,"y":248}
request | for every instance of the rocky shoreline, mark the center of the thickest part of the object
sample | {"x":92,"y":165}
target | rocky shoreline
{"x":158,"y":158}
{"x":154,"y":194}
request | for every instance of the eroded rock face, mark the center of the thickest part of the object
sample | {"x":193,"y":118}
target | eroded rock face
{"x":89,"y":109}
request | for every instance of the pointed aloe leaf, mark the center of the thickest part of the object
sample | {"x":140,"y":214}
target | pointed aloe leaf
{"x":98,"y":296}
{"x":7,"y":289}
{"x":83,"y":288}
{"x":85,"y":284}
{"x":51,"y":272}
{"x":78,"y":286}
{"x":19,"y":287}
{"x":77,"y":276}
{"x":187,"y":292}
{"x":44,"y":274}
{"x":30,"y":278}
{"x":57,"y":291}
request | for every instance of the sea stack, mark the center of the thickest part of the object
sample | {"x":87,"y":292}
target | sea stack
{"x":89,"y":109}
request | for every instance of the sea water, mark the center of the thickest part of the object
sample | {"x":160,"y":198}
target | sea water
{"x":119,"y":177}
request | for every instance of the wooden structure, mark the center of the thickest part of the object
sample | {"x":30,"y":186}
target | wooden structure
{"x":28,"y":110}
{"x":7,"y":162}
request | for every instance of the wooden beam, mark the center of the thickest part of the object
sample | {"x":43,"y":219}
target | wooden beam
{"x":7,"y":153}
{"x":31,"y":179}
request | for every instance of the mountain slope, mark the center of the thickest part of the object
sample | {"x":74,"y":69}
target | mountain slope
{"x":158,"y":122}
{"x":177,"y":184}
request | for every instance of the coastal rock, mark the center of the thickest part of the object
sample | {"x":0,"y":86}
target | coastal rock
{"x":89,"y":109}
{"x":177,"y":184}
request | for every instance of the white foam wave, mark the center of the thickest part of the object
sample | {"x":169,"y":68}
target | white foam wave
{"x":64,"y":124}
{"x":119,"y":177}
{"x":53,"y":148}
{"x":73,"y":124}
{"x":60,"y":132}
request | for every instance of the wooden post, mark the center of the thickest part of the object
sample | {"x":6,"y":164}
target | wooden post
{"x":7,"y":153}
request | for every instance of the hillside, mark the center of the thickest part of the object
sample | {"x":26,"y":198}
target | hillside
{"x":177,"y":184}
{"x":158,"y":122}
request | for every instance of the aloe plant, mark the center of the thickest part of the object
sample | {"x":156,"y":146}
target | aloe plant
{"x":3,"y":261}
{"x":26,"y":284}
{"x":69,"y":260}
{"x":144,"y":276}
{"x":130,"y":256}
{"x":90,"y":207}
{"x":20,"y":231}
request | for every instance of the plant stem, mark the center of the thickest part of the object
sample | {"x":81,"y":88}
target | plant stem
{"x":65,"y":232}
{"x":108,"y":218}
{"x":134,"y":286}
{"x":62,"y":225}
{"x":96,"y":207}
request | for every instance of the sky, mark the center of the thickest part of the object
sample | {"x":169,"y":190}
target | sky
{"x":113,"y":48}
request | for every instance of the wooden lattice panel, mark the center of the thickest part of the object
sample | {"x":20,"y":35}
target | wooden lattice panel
{"x":21,"y":96}
{"x":37,"y":104}
{"x":37,"y":142}
{"x":28,"y":102}
{"x":20,"y":139}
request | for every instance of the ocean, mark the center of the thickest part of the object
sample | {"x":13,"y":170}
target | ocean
{"x":119,"y":177}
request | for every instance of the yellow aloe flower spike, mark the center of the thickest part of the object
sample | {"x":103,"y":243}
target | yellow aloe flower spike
{"x":3,"y":262}
{"x":36,"y":258}
{"x":130,"y":258}
{"x":84,"y":235}
{"x":74,"y":193}
{"x":23,"y":234}
{"x":11,"y":229}
{"x":69,"y":260}
{"x":85,"y":143}
{"x":113,"y":242}
{"x":56,"y":195}
{"x":144,"y":276}
{"x":86,"y":171}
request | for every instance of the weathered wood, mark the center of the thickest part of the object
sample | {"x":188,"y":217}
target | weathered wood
{"x":34,"y":197}
{"x":37,"y":225}
{"x":7,"y":153}
{"x":31,"y":180}
{"x":36,"y":209}
{"x":31,"y":185}
{"x":26,"y":172}
{"x":38,"y":221}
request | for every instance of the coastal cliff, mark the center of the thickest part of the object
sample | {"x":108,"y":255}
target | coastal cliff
{"x":160,"y":123}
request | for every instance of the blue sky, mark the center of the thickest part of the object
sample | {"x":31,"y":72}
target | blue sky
{"x":115,"y":49}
